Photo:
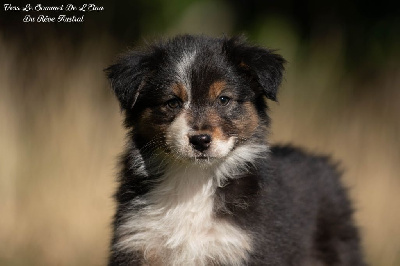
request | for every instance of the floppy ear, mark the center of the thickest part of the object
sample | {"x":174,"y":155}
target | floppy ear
{"x":263,"y":65}
{"x":127,"y":77}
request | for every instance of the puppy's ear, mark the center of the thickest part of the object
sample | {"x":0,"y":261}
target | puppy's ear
{"x":127,"y":77}
{"x":263,"y":65}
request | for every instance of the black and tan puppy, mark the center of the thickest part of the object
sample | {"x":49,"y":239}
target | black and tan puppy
{"x":199,"y":183}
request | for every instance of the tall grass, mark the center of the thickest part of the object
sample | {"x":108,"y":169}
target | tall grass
{"x":60,"y":133}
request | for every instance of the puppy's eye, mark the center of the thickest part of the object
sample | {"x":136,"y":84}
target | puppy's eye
{"x":224,"y":100}
{"x":174,"y":103}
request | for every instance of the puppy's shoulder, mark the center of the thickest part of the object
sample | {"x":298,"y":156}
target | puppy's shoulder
{"x":311,"y":178}
{"x":298,"y":161}
{"x":297,"y":167}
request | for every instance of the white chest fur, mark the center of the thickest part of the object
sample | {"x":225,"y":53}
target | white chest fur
{"x":176,"y":224}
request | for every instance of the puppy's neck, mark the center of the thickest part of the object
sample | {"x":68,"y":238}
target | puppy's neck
{"x":181,"y":184}
{"x":177,"y":172}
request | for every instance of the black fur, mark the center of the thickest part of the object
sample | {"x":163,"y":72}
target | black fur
{"x":292,"y":204}
{"x":299,"y":208}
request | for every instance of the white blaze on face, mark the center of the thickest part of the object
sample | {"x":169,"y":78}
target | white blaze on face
{"x":183,"y":69}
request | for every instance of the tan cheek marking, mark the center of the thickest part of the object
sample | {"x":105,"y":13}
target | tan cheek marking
{"x":216,"y":89}
{"x":180,"y":90}
{"x":215,"y":123}
{"x":243,"y":65}
{"x":147,"y":127}
{"x":213,"y":118}
{"x":250,"y":121}
{"x":218,"y":134}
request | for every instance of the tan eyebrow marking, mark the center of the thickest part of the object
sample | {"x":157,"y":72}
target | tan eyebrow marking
{"x":180,"y":90}
{"x":216,"y":88}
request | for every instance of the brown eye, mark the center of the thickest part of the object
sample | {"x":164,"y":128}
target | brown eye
{"x":223,"y":100}
{"x":174,"y":103}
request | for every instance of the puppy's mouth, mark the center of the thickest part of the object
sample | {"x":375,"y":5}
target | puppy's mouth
{"x":202,"y":157}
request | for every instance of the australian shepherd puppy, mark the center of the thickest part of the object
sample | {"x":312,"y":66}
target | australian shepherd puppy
{"x":200,"y":185}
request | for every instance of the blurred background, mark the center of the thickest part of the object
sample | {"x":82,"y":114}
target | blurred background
{"x":60,"y":126}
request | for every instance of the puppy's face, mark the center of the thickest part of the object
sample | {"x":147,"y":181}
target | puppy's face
{"x":194,"y":123}
{"x":197,"y":98}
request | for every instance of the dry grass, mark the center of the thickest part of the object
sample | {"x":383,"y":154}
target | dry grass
{"x":60,"y":133}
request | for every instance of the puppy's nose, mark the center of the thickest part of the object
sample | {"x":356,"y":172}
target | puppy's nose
{"x":200,"y":142}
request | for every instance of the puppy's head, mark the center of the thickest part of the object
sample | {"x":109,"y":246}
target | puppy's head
{"x":197,"y":98}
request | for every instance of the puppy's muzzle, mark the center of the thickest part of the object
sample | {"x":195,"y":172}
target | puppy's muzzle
{"x":200,"y":142}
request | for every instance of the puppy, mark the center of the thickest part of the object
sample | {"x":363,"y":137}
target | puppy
{"x":200,"y":185}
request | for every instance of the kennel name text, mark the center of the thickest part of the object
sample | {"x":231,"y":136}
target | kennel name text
{"x":60,"y":18}
{"x":66,"y":7}
{"x":47,"y":17}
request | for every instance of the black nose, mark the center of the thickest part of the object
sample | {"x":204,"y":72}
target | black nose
{"x":200,"y":142}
